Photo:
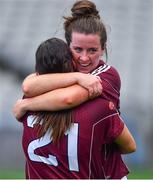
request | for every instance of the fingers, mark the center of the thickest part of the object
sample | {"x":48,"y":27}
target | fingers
{"x":96,"y":89}
{"x":17,"y":110}
{"x":94,"y":93}
{"x":92,"y":83}
{"x":99,"y":79}
{"x":15,"y":113}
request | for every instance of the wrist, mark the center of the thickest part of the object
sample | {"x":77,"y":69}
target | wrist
{"x":77,"y":77}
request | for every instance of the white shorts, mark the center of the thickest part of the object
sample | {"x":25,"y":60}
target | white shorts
{"x":124,"y":178}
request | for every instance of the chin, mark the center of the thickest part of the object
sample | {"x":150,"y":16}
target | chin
{"x":84,"y":71}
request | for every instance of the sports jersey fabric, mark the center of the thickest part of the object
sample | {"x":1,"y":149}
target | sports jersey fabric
{"x":87,"y":149}
{"x":111,"y":82}
{"x":82,"y":153}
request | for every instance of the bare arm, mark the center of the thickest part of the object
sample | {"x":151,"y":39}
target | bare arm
{"x":35,"y":85}
{"x":125,"y":141}
{"x":64,"y":98}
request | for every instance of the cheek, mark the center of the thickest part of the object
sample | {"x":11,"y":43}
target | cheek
{"x":101,"y":53}
{"x":96,"y":58}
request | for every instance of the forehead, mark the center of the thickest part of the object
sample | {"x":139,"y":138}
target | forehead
{"x":85,"y":40}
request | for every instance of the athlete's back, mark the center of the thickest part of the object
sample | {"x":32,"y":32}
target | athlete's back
{"x":82,"y":152}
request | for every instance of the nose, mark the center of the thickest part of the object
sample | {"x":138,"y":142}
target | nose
{"x":84,"y":56}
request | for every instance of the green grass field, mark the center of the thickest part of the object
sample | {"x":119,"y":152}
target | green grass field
{"x":135,"y":174}
{"x":12,"y":174}
{"x":141,"y":174}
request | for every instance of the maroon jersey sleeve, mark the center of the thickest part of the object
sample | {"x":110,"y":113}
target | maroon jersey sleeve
{"x":114,"y":165}
{"x":111,"y":86}
{"x":114,"y":126}
{"x":111,"y":83}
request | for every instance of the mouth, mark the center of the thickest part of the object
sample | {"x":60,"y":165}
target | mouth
{"x":84,"y":65}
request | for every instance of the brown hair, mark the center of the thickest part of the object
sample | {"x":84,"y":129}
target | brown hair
{"x":53,"y":56}
{"x":57,"y":123}
{"x":85,"y":19}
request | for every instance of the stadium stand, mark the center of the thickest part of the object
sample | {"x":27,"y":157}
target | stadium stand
{"x":24,"y":24}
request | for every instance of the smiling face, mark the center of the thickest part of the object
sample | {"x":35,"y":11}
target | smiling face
{"x":86,"y":50}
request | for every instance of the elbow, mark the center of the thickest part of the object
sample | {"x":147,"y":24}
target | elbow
{"x":131,"y":148}
{"x":68,"y":101}
{"x":26,"y":90}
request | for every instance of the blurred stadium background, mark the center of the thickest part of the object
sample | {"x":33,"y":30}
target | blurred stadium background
{"x":24,"y":24}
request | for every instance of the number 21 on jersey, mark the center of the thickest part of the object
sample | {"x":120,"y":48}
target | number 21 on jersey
{"x":72,"y":136}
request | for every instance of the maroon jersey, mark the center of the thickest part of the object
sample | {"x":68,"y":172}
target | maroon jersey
{"x":111,"y":84}
{"x":83,"y":151}
{"x":110,"y":81}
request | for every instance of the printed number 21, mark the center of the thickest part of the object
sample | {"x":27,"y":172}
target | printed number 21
{"x":51,"y":160}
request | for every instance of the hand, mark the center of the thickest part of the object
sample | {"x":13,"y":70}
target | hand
{"x":18,"y":109}
{"x":92,"y":83}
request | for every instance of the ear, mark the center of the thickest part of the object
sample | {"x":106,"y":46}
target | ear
{"x":103,"y":49}
{"x":102,"y":52}
{"x":105,"y":45}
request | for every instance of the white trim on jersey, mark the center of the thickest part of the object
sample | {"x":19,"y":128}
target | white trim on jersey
{"x":100,"y":69}
{"x":93,"y":129}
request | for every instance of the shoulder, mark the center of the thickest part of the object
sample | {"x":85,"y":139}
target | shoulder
{"x":107,"y":118}
{"x":109,"y":74}
{"x":114,"y":78}
{"x":96,"y":109}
